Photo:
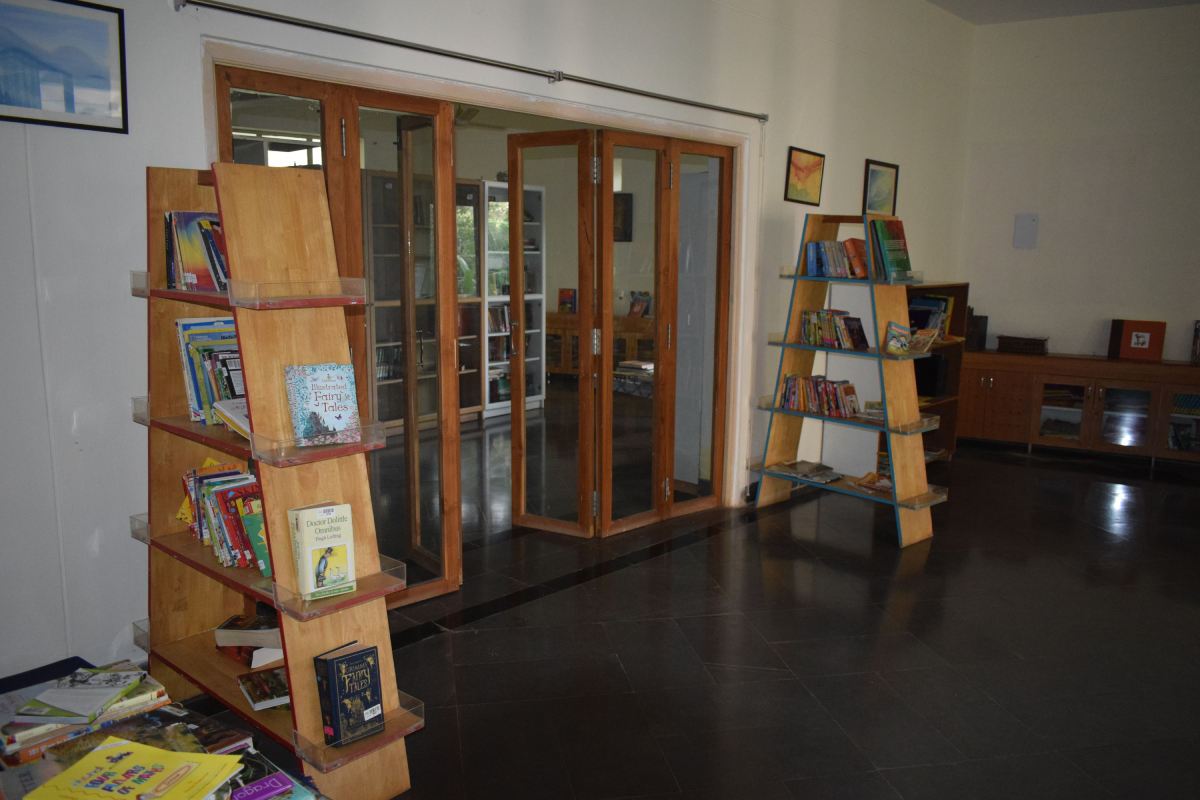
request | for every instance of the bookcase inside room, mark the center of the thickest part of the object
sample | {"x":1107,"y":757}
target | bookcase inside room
{"x":904,"y":422}
{"x":277,"y":229}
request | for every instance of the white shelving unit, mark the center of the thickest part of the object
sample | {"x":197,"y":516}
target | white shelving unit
{"x":495,"y":288}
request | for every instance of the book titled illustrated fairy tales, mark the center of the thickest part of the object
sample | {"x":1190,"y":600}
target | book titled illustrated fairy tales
{"x":322,"y":402}
{"x":323,"y":546}
{"x":351,"y":694}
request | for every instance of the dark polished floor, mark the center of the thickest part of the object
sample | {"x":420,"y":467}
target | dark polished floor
{"x":1044,"y":644}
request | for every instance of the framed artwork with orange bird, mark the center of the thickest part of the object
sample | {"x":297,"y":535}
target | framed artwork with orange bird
{"x":805,"y":171}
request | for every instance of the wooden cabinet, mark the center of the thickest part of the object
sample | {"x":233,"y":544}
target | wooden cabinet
{"x":995,"y":405}
{"x":945,"y":395}
{"x":1082,"y":402}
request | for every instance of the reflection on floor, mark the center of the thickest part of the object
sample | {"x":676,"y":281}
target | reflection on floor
{"x":1045,"y":643}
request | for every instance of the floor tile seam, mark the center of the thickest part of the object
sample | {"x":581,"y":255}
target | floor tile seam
{"x":545,"y":699}
{"x":837,"y":723}
{"x":904,"y":700}
{"x":649,"y":729}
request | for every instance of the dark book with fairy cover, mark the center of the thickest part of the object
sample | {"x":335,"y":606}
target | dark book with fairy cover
{"x":351,"y":694}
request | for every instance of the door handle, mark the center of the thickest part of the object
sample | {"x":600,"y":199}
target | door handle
{"x":991,"y":382}
{"x":980,"y":381}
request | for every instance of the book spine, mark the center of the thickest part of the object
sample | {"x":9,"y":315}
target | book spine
{"x":330,"y":725}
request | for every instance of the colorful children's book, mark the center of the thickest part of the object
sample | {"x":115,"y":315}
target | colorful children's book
{"x":351,"y":693}
{"x":323,"y":404}
{"x":119,"y":768}
{"x":80,"y":697}
{"x":893,"y":249}
{"x":265,"y":689}
{"x":200,"y":330}
{"x":898,"y":338}
{"x":323,"y":547}
{"x":194,"y":252}
{"x":252,"y":524}
{"x":566,"y":301}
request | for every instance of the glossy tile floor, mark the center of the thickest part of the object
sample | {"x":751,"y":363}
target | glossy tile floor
{"x":1045,"y":644}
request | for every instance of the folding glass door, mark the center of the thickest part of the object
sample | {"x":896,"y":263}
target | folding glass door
{"x":638,"y":434}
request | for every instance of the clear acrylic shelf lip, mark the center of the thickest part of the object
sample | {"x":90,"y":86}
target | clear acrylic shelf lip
{"x":139,"y":283}
{"x":409,"y":716}
{"x":931,"y":497}
{"x":141,"y":410}
{"x":298,"y":294}
{"x":913,"y":278}
{"x":392,"y":577}
{"x":776,"y":340}
{"x":306,"y":449}
{"x":139,"y":527}
{"x":141,"y":635}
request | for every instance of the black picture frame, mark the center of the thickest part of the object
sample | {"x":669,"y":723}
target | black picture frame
{"x":622,"y":217}
{"x":95,"y":35}
{"x":801,"y":164}
{"x":881,"y":178}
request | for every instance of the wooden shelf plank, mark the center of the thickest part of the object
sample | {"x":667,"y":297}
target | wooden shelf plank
{"x":187,"y":548}
{"x":218,"y":437}
{"x":198,"y":659}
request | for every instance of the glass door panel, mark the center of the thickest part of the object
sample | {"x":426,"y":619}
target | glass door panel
{"x":1125,"y":416}
{"x":695,"y":325}
{"x":468,"y":223}
{"x":546,"y":229}
{"x":1062,"y":411}
{"x":1182,"y":421}
{"x":634,"y":265}
{"x":275,"y":130}
{"x":396,"y":160}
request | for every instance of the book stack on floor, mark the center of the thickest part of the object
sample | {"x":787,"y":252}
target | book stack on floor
{"x":67,"y":700}
{"x":223,"y":508}
{"x":817,"y":395}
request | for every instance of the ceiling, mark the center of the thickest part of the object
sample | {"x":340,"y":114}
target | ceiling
{"x":988,"y":12}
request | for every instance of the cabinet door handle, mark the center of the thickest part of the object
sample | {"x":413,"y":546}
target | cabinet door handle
{"x":980,"y":381}
{"x":1089,"y":394}
{"x":991,"y":382}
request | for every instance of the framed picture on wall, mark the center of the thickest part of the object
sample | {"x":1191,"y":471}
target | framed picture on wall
{"x":622,"y":217}
{"x":879,"y":188}
{"x":64,"y":64}
{"x":805,"y":173}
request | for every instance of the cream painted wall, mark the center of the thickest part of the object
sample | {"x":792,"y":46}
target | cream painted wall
{"x":854,"y":79}
{"x":1093,"y":123}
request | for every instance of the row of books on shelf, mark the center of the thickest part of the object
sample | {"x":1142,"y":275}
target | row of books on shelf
{"x":222,"y":506}
{"x":321,"y":397}
{"x":832,"y":328}
{"x":816,"y":394}
{"x":195,"y":252}
{"x":816,"y":472}
{"x":849,"y":258}
{"x":1186,"y":405}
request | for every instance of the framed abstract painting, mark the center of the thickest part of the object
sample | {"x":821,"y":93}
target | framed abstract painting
{"x":879,"y":188}
{"x":805,"y":172}
{"x":64,"y":64}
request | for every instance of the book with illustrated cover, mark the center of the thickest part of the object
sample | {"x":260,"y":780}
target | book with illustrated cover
{"x":233,"y":414}
{"x":873,"y":482}
{"x":195,"y":254}
{"x":922,"y":340}
{"x":856,"y":334}
{"x":265,"y":689}
{"x":196,"y":331}
{"x":566,"y":301}
{"x":893,"y":249}
{"x":351,"y":693}
{"x":856,"y":257}
{"x":322,"y":402}
{"x":79,"y":697}
{"x":116,"y":767}
{"x":260,"y":779}
{"x":169,"y":734}
{"x":216,"y":737}
{"x":898,"y":338}
{"x":256,"y":532}
{"x":323,"y":547}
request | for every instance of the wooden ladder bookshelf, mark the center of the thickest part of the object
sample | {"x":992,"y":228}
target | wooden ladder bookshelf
{"x":277,"y":230}
{"x":903,"y":423}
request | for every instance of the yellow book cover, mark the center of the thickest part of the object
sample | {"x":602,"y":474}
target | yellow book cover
{"x":118,"y":768}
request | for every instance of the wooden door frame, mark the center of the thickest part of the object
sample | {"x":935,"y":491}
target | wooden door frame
{"x":340,"y":102}
{"x":582,"y":139}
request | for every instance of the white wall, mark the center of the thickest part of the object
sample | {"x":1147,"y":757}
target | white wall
{"x":853,"y":79}
{"x":1092,"y":123}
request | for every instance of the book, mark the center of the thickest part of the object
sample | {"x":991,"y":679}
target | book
{"x":265,"y":689}
{"x":243,"y":630}
{"x":233,"y":414}
{"x":922,"y":340}
{"x":897,"y":340}
{"x":260,"y":779}
{"x":800,"y":468}
{"x":351,"y":693}
{"x":893,"y":249}
{"x":856,"y":257}
{"x":644,"y":366}
{"x":567,"y":301}
{"x":166,"y":734}
{"x":190,"y":241}
{"x":217,"y":737}
{"x":255,"y":529}
{"x":80,"y":697}
{"x":323,"y":547}
{"x":322,"y":402}
{"x":17,"y":782}
{"x":642,"y":298}
{"x":117,"y":768}
{"x":856,"y":334}
{"x":874,"y":482}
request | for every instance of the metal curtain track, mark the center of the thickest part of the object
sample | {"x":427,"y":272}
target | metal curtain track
{"x":553,"y":75}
